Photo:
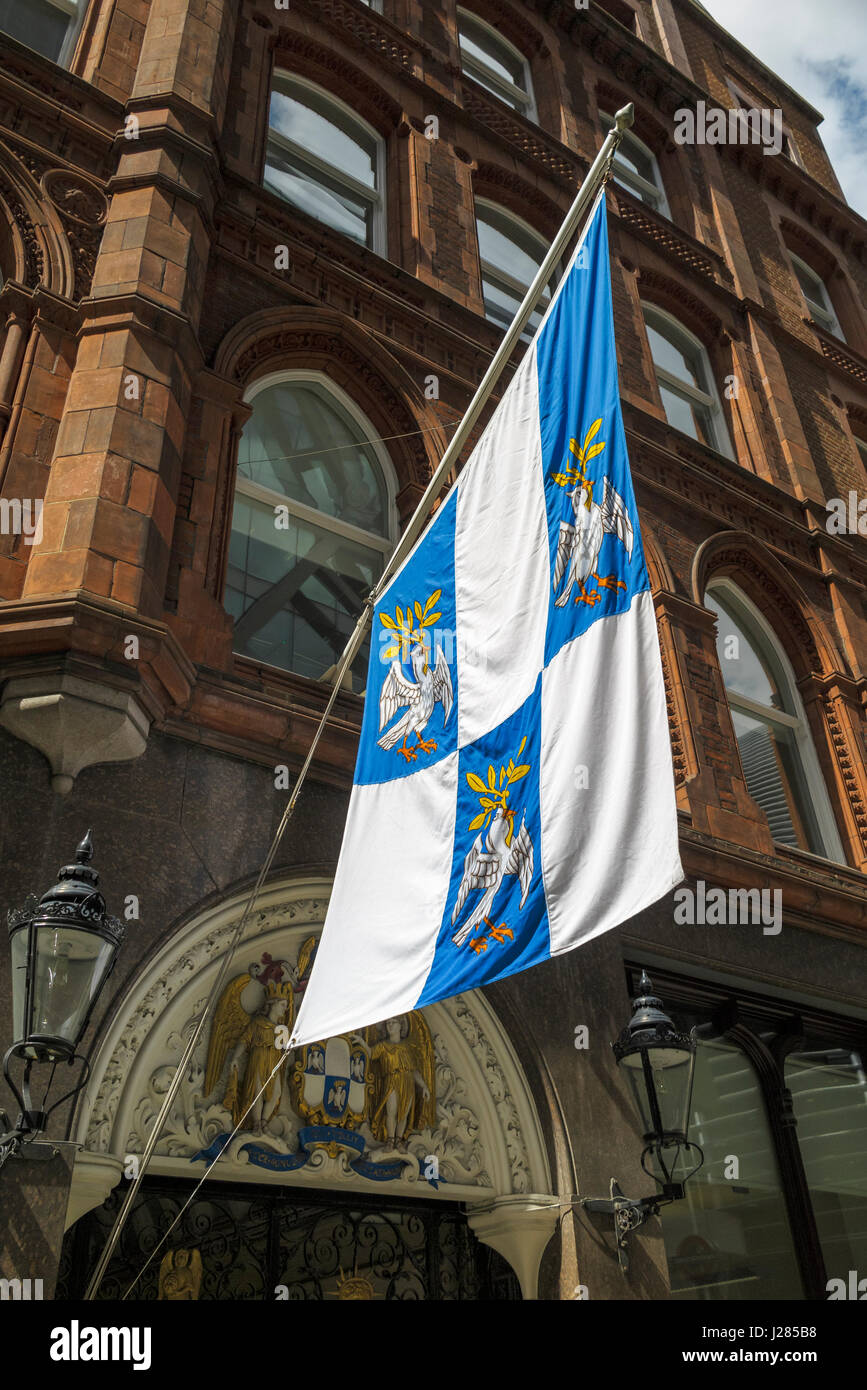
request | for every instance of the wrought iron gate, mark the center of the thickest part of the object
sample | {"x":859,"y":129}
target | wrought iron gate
{"x":262,"y":1243}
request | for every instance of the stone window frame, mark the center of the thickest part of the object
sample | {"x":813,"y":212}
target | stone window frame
{"x":820,"y":309}
{"x":74,"y":10}
{"x":489,"y":271}
{"x":384,"y":544}
{"x":635,"y":183}
{"x":793,"y":716}
{"x":520,"y":100}
{"x":708,"y":399}
{"x":377,"y":197}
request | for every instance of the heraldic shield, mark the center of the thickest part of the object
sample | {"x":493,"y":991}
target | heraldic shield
{"x":330,"y":1082}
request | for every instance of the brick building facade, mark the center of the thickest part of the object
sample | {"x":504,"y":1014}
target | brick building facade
{"x":170,"y":254}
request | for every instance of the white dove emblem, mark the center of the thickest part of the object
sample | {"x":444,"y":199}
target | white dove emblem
{"x":487,"y":864}
{"x":430,"y":687}
{"x":578,"y":545}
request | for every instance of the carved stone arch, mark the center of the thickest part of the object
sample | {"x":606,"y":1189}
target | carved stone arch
{"x":324,"y":340}
{"x":35,"y":243}
{"x":778,"y":596}
{"x":302,"y":57}
{"x":487,"y":1138}
{"x":647,"y":126}
{"x":808,"y":247}
{"x":514,"y":23}
{"x":694,"y":313}
{"x":661,"y":576}
{"x":507,"y":188}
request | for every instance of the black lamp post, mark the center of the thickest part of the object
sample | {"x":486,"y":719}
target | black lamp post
{"x":659,"y":1063}
{"x":63,"y":949}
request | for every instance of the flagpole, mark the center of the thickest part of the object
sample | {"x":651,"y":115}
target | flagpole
{"x":584,"y":198}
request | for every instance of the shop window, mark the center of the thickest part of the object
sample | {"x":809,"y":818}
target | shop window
{"x":326,"y":161}
{"x":685,"y":382}
{"x":777,"y":754}
{"x":313,"y":526}
{"x":635,"y":168}
{"x":48,"y":26}
{"x":495,"y":64}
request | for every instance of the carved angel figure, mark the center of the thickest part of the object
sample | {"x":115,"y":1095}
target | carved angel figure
{"x":180,"y":1276}
{"x":402,"y":1067}
{"x":250,"y":1010}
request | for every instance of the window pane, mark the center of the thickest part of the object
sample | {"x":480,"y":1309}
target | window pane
{"x":729,"y":1239}
{"x":34,"y":22}
{"x":743,"y":668}
{"x":671,"y":353}
{"x":296,"y":594}
{"x":829,"y":1094}
{"x":301,"y":443}
{"x":501,"y":305}
{"x":477,"y":44}
{"x":686,"y":415}
{"x":811,"y":284}
{"x":772,"y":768}
{"x":625,"y":179}
{"x":318,"y":195}
{"x":322,"y":129}
{"x":506,"y":247}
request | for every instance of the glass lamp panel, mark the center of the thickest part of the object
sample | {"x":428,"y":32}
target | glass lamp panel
{"x":687,"y":415}
{"x":829,"y":1095}
{"x":482,"y":48}
{"x":300,"y":442}
{"x":318,"y":195}
{"x":18,"y":951}
{"x":313,"y":124}
{"x":37,"y":24}
{"x":744,"y":668}
{"x":69,"y":970}
{"x":775,"y":779}
{"x":729,"y":1239}
{"x":296,"y":593}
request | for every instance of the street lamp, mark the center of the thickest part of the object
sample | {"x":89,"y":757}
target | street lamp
{"x":659,"y":1064}
{"x":63,"y":949}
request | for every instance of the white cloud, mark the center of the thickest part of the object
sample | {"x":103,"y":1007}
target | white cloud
{"x":819,"y":50}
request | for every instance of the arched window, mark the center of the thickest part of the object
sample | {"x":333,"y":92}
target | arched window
{"x":510,"y":254}
{"x":817,"y":298}
{"x":312,"y":528}
{"x":495,"y":64}
{"x":685,"y":381}
{"x":50,"y":27}
{"x":635,"y":168}
{"x":777,"y":754}
{"x":326,"y":161}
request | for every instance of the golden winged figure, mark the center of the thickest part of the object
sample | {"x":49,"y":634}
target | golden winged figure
{"x":180,"y":1276}
{"x":404,"y":1082}
{"x":251,"y":1008}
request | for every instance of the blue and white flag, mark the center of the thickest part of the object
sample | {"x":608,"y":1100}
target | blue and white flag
{"x":514,"y":791}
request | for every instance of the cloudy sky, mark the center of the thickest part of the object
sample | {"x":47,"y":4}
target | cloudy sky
{"x":820,"y":48}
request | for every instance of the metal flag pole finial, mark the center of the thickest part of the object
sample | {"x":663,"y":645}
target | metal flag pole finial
{"x":595,"y":180}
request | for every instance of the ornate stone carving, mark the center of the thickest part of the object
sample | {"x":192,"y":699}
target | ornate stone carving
{"x":76,"y":198}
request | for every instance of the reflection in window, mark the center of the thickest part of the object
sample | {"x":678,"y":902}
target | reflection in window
{"x":817,"y":297}
{"x":48,"y":26}
{"x":729,"y":1239}
{"x":635,"y":168}
{"x":298,"y":576}
{"x":510,"y":254}
{"x":776,"y":750}
{"x":684,"y":378}
{"x":829,"y":1095}
{"x":495,"y":64}
{"x":326,"y":161}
